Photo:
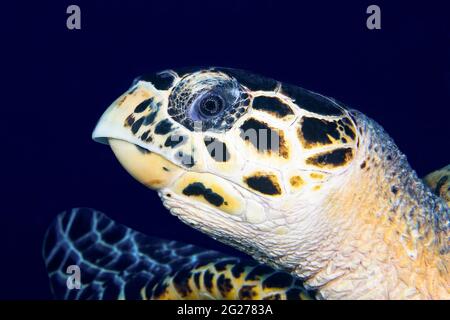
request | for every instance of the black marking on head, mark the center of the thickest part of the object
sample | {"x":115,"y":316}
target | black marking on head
{"x":314,"y":131}
{"x":181,"y":282}
{"x":207,"y":279}
{"x":346,"y":123}
{"x":145,"y":135}
{"x":258,"y":271}
{"x":250,"y":80}
{"x":161,"y":81}
{"x":129,"y":120}
{"x":184,"y":71}
{"x":186,"y":160}
{"x":217,"y":149}
{"x":247,"y":293}
{"x":198,"y":189}
{"x":266,"y":184}
{"x":143,"y":105}
{"x":224,"y":285}
{"x":311,"y":101}
{"x":263,"y":137}
{"x":142,"y":150}
{"x":163,"y":127}
{"x":278,"y":280}
{"x":335,"y":158}
{"x":363,"y":165}
{"x":150,"y":118}
{"x":273,"y":105}
{"x":173,"y":141}
{"x":165,"y":169}
{"x":137,"y":125}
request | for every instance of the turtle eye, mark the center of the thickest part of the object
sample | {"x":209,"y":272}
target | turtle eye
{"x":207,"y":106}
{"x":211,"y":106}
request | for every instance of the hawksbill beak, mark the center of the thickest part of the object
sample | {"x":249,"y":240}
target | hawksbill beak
{"x":135,"y":155}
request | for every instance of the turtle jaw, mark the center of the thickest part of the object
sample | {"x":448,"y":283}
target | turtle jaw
{"x":149,"y":168}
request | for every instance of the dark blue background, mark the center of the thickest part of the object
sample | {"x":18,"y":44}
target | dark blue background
{"x":56,"y":83}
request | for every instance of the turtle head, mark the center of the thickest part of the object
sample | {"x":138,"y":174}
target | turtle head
{"x":233,"y":153}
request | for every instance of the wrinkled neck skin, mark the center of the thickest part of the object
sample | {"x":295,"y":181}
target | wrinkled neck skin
{"x":374,"y":231}
{"x":381,"y":233}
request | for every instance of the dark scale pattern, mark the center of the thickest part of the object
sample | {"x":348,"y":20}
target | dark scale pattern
{"x":258,"y":272}
{"x":221,"y":266}
{"x":137,"y":125}
{"x":150,"y":118}
{"x":163,"y":127}
{"x":347,"y":125}
{"x":161,"y":80}
{"x":224,"y":285}
{"x":263,"y":137}
{"x":335,"y":158}
{"x":250,"y":80}
{"x":272,"y":105}
{"x":198,"y":189}
{"x":266,"y":184}
{"x":278,"y":280}
{"x":311,"y":101}
{"x":315,"y":131}
{"x":129,"y":121}
{"x":208,"y":280}
{"x":145,"y":136}
{"x":173,"y":141}
{"x":247,"y":293}
{"x":181,"y":282}
{"x":141,"y":107}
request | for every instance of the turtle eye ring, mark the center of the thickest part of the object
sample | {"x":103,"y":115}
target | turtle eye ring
{"x":211,"y":106}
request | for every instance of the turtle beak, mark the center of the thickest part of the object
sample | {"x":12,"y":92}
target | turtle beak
{"x":149,"y":168}
{"x":135,"y":155}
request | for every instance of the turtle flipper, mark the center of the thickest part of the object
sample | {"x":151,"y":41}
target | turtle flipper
{"x":116,"y":262}
{"x":232,"y":279}
{"x":439,"y":182}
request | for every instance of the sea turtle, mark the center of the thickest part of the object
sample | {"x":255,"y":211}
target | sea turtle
{"x":314,"y":190}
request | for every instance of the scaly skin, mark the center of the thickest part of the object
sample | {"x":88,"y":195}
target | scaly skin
{"x":392,"y":239}
{"x":341,"y":209}
{"x":367,"y":242}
